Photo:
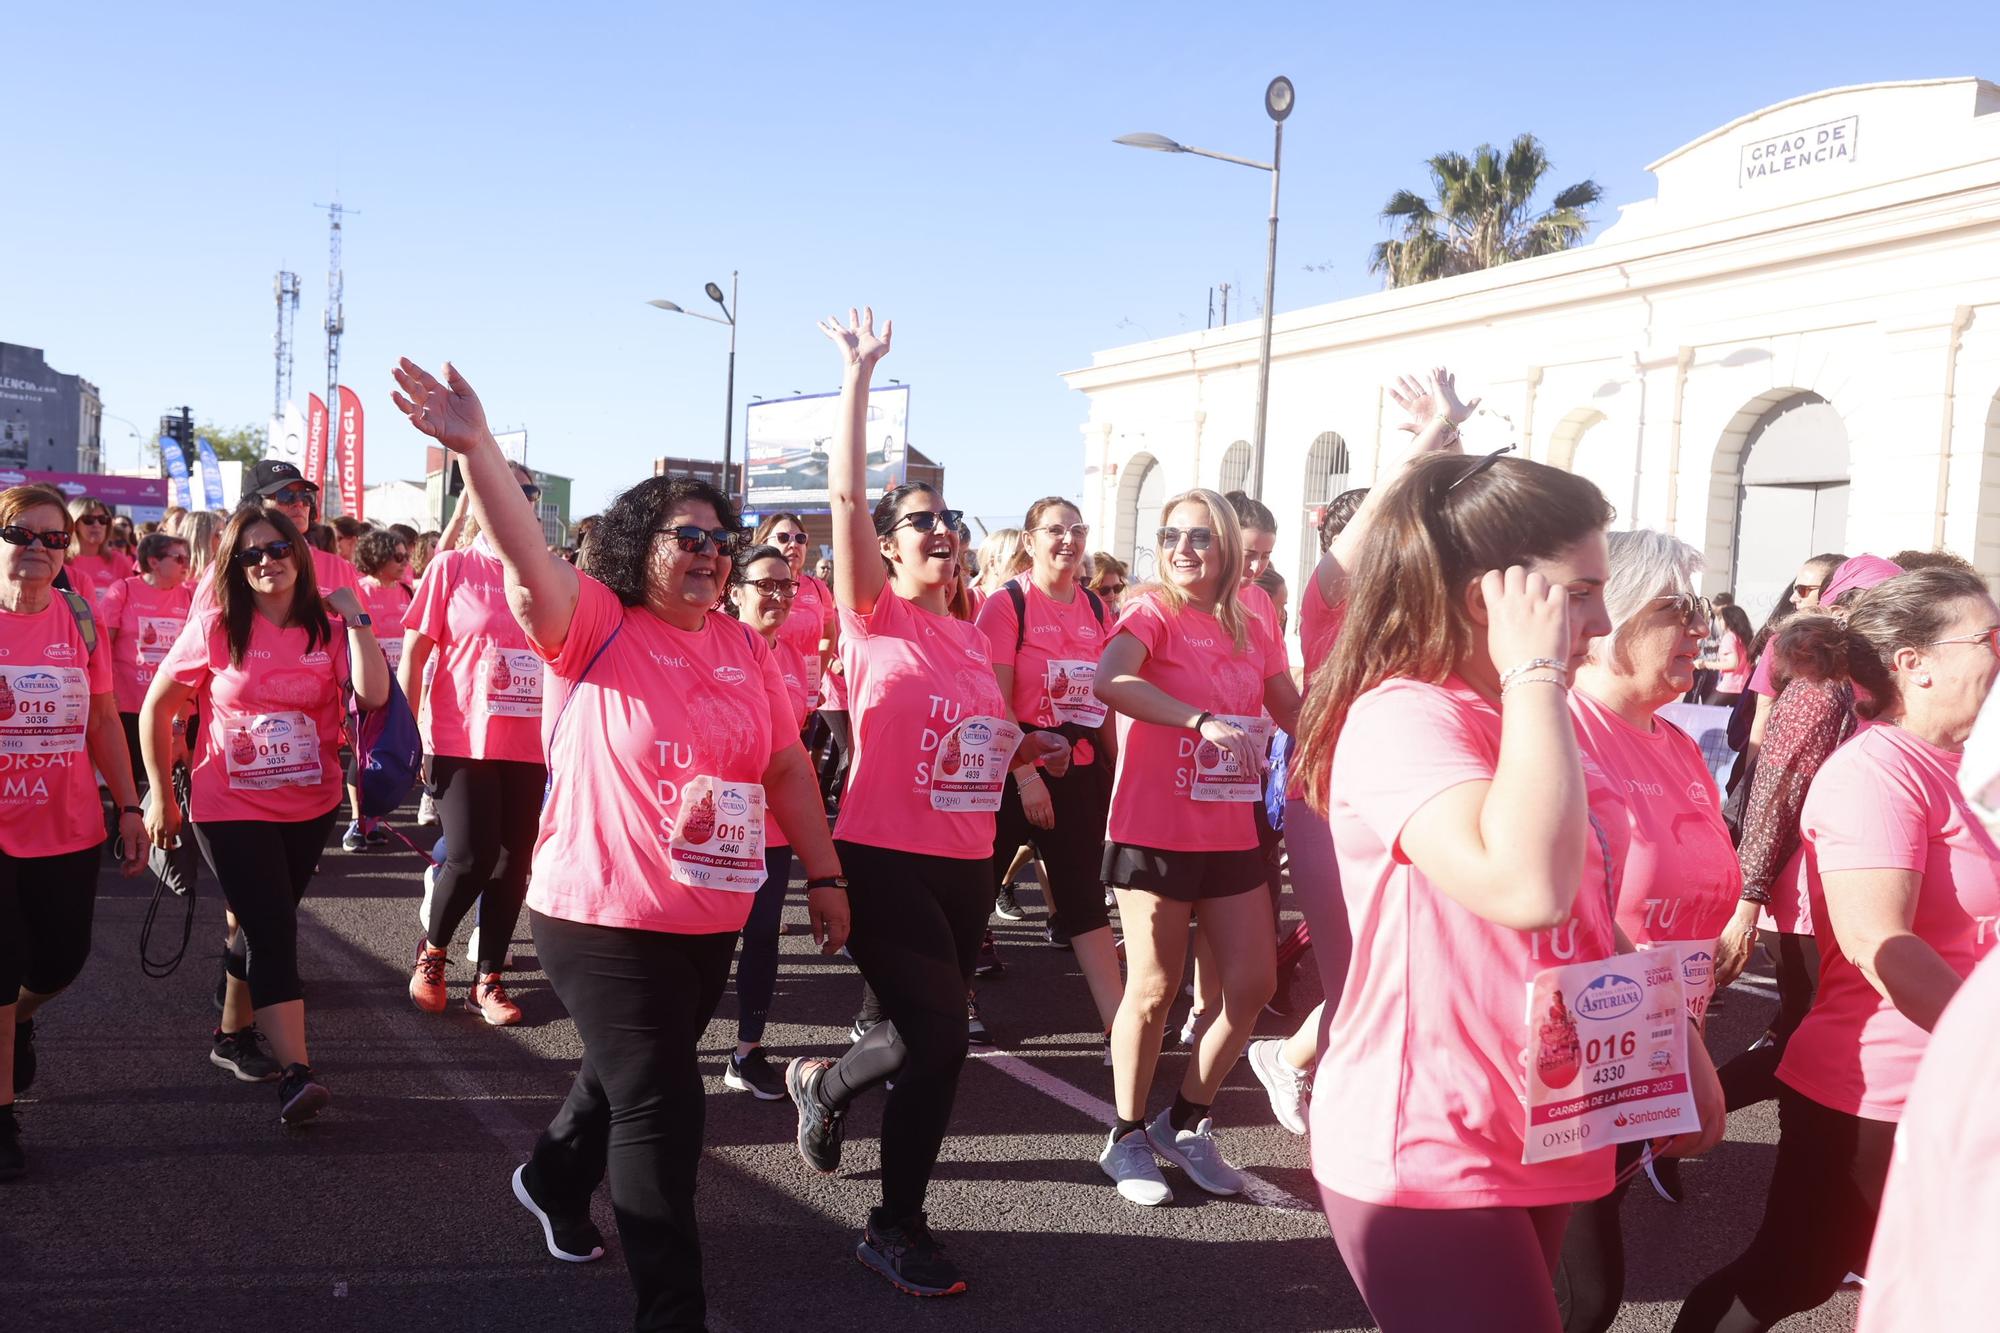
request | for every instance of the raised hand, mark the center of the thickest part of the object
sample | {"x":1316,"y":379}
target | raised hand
{"x":1436,"y":396}
{"x":857,"y":340}
{"x":448,"y":412}
{"x":1527,"y":617}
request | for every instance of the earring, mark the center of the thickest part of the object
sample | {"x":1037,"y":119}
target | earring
{"x":1924,"y":681}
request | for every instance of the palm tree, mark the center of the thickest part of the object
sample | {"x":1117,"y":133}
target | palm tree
{"x":1481,"y":217}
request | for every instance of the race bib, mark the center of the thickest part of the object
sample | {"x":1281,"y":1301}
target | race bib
{"x":1696,"y":961}
{"x":393,"y":650}
{"x":970,"y":770}
{"x":1217,"y":775}
{"x":1607,"y":1056}
{"x":1073,"y":693}
{"x":43,"y":709}
{"x":510,"y":683}
{"x":156,"y":636}
{"x":718,"y":842}
{"x":270,"y":750}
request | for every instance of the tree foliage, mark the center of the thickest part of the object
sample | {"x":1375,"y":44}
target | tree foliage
{"x":245,"y":444}
{"x":1482,"y":215}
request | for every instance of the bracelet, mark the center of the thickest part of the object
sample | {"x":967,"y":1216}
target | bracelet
{"x":139,"y":810}
{"x":1023,"y":779}
{"x":1535,"y":664}
{"x":827,"y":882}
{"x":1202,"y":721}
{"x":1556,"y":681}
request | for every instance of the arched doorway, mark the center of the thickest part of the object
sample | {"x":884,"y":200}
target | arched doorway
{"x":1142,"y":488}
{"x":1235,"y":467}
{"x":1328,"y":469}
{"x":1790,"y":493}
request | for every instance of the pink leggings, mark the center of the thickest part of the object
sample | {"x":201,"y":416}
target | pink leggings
{"x":1428,"y":1269}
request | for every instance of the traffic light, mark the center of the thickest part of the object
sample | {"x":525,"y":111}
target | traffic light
{"x":179,"y":427}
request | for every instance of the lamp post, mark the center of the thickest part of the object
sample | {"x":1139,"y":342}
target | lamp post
{"x":729,"y":406}
{"x":1278,"y":100}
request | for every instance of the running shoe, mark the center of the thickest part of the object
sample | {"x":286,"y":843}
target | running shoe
{"x":353,"y":840}
{"x":243,"y":1054}
{"x":1195,"y":1024}
{"x":13,"y":1162}
{"x":427,"y":810}
{"x":1665,"y":1175}
{"x":489,"y":999}
{"x":1288,"y":1088}
{"x":908,"y":1255}
{"x":1006,"y":907}
{"x":820,"y":1130}
{"x":376,"y":835}
{"x":975,"y":1026}
{"x":860,"y":1027}
{"x":1129,"y":1161}
{"x":427,"y":977}
{"x":299,"y":1097}
{"x":572,"y":1238}
{"x":1195,"y":1152}
{"x":24,"y":1056}
{"x":1054,"y":932}
{"x":431,"y":873}
{"x":1110,"y":898}
{"x":753,"y":1074}
{"x":989,"y":964}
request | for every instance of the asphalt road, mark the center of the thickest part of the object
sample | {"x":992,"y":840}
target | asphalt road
{"x":163,"y":1195}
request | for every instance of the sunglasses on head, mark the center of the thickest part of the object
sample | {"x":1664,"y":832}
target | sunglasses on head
{"x":252,"y":556}
{"x":92,"y":521}
{"x":1199,"y":538}
{"x":292,"y":495}
{"x":693,"y":539}
{"x":927,"y":520}
{"x":788,"y":538}
{"x":781,"y":588}
{"x":55,"y":539}
{"x":1478,"y":467}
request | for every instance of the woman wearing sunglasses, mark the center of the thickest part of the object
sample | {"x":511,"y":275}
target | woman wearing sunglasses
{"x":672,"y":745}
{"x":93,"y":565}
{"x":812,"y":628}
{"x":931,"y":748}
{"x":383,"y":559}
{"x":1911,"y":891}
{"x":476,"y":685}
{"x":268,"y":669}
{"x":58,"y":721}
{"x":142,"y":616}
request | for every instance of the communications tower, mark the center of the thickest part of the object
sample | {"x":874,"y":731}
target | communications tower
{"x":287,"y":287}
{"x":336,"y":324}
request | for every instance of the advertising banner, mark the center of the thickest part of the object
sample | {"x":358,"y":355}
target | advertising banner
{"x":211,"y":474}
{"x":177,"y":470}
{"x":785,"y":443}
{"x":314,"y":467}
{"x":287,"y":437}
{"x":347,"y":453}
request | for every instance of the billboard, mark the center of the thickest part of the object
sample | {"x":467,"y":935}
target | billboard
{"x":785,"y":443}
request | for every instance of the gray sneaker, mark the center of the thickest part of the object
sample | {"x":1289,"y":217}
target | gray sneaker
{"x":1195,"y":1152}
{"x":1129,"y":1161}
{"x":1288,"y":1088}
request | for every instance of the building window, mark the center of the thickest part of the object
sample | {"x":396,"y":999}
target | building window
{"x":1235,"y":467}
{"x":1328,"y":466}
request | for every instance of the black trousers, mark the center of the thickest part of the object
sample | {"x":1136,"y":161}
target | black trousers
{"x":1072,"y":852}
{"x":491,"y":810}
{"x":264,"y":867}
{"x":839,"y":751}
{"x":1590,"y":1275}
{"x":917,"y":926}
{"x":1819,"y":1218}
{"x":641,"y":999}
{"x":46,"y":907}
{"x":1752,"y":1076}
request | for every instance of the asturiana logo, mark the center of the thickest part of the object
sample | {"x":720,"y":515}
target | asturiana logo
{"x":1608,"y":997}
{"x":730,"y":675}
{"x":977,"y":733}
{"x":1697,"y":967}
{"x":37,"y":682}
{"x":733,"y":805}
{"x":272,"y":728}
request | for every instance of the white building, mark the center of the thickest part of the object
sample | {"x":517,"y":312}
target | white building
{"x":1793,"y":348}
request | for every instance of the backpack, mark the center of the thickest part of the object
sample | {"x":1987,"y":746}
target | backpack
{"x":1020,"y":601}
{"x":86,"y":622}
{"x":389,"y":752}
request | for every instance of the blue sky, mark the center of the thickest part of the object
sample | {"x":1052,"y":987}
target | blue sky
{"x":526,"y":176}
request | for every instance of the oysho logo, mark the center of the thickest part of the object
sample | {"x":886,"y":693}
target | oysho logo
{"x":977,"y":733}
{"x":1198,"y":643}
{"x":1608,"y":997}
{"x":665,"y":660}
{"x":37,"y":682}
{"x":60,"y":652}
{"x":1045,"y":629}
{"x":729,"y":675}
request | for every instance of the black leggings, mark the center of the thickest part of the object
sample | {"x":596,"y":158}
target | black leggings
{"x":1752,"y":1077}
{"x":641,"y":999}
{"x":1818,"y":1220}
{"x":917,"y":926}
{"x":264,"y":867}
{"x":839,"y":750}
{"x":757,"y":969}
{"x":492,"y":811}
{"x":1072,"y":852}
{"x":46,"y":905}
{"x":1590,"y":1276}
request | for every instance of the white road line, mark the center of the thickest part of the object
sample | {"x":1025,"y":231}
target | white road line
{"x":1765,"y":991}
{"x":1255,"y":1188}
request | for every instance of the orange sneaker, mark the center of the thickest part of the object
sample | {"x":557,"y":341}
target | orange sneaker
{"x":427,"y":978}
{"x":489,"y":999}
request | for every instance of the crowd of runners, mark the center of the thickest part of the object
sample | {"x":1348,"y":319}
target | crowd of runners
{"x":1520,"y":882}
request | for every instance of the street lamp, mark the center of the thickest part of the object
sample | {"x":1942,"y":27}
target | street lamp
{"x":729,"y":408}
{"x":1278,"y":101}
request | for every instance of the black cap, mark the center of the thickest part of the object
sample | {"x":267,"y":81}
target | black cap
{"x":269,"y":475}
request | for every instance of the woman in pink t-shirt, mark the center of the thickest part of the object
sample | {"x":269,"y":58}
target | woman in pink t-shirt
{"x":811,"y":627}
{"x":1911,"y":895}
{"x":383,"y":559}
{"x":670,"y":739}
{"x":141,"y":617}
{"x":268,"y":671}
{"x":58,"y":719}
{"x":92,"y":565}
{"x":1478,"y":849}
{"x":1731,"y":663}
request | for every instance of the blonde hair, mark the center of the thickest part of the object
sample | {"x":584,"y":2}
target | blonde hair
{"x":202,"y":531}
{"x":1228,"y":548}
{"x":1001,"y":557}
{"x":80,"y":506}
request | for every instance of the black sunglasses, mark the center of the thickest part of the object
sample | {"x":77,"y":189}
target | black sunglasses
{"x":1199,"y":538}
{"x":55,"y":539}
{"x":252,"y":556}
{"x":292,"y":495}
{"x":534,"y":494}
{"x":92,"y":521}
{"x":784,"y":588}
{"x":1478,"y":467}
{"x":692,"y":539}
{"x":926,"y":520}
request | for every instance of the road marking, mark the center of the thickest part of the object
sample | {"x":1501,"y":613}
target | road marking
{"x":1255,"y":1188}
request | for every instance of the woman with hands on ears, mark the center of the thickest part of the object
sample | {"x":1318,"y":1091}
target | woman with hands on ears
{"x":932,"y":747}
{"x":672,"y":742}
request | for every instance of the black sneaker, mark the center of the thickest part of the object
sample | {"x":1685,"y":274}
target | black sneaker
{"x":243,"y":1054}
{"x":299,"y":1097}
{"x":820,"y":1130}
{"x":860,"y":1027}
{"x":1665,"y":1175}
{"x":753,"y":1074}
{"x":1055,"y":934}
{"x":574,"y":1239}
{"x":989,"y":964}
{"x":908,"y":1255}
{"x":377,"y":836}
{"x":13,"y":1163}
{"x":975,"y":1026}
{"x":354,"y":840}
{"x":24,"y":1055}
{"x":1005,"y":907}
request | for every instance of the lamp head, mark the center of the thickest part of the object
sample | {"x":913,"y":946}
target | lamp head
{"x":666,"y":305}
{"x":1278,"y":98}
{"x":714,"y":293}
{"x":1158,"y":143}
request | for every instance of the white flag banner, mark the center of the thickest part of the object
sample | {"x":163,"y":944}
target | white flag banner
{"x":287,"y":439}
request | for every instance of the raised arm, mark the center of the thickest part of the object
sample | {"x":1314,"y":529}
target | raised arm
{"x":541,"y":587}
{"x":858,"y":576}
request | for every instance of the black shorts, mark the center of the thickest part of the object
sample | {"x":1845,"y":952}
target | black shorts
{"x":1184,"y":877}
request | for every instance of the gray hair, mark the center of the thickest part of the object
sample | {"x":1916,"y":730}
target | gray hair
{"x":1645,"y":567}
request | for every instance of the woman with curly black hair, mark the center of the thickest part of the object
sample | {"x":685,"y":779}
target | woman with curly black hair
{"x":682,"y":743}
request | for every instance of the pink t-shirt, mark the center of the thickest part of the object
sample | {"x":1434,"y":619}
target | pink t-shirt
{"x":461,"y":606}
{"x":1258,"y":603}
{"x":1420,"y":1097}
{"x":92,"y":575}
{"x":810,"y":621}
{"x":1681,"y":879}
{"x":1760,"y":677}
{"x":1931,"y":1266}
{"x":1193,"y":659}
{"x":1319,"y":626}
{"x":1056,"y":633}
{"x":794,"y":670}
{"x":141,"y":622}
{"x":48,"y":787}
{"x":1733,"y":682}
{"x":914,"y":676}
{"x":1887,"y":800}
{"x":661,"y":707}
{"x":270,"y":735}
{"x":386,"y":605}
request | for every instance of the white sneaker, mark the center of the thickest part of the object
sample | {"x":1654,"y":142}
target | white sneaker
{"x":1129,"y":1161}
{"x":431,"y":873}
{"x":1288,"y":1088}
{"x":427,"y":811}
{"x":1191,"y":1030}
{"x":1195,"y":1152}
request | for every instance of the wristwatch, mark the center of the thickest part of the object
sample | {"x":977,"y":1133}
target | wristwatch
{"x":827,"y":882}
{"x":364,"y":620}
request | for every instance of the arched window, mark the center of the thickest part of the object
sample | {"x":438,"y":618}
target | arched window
{"x":1141,"y":490}
{"x":1328,"y":467}
{"x":1235,"y":467}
